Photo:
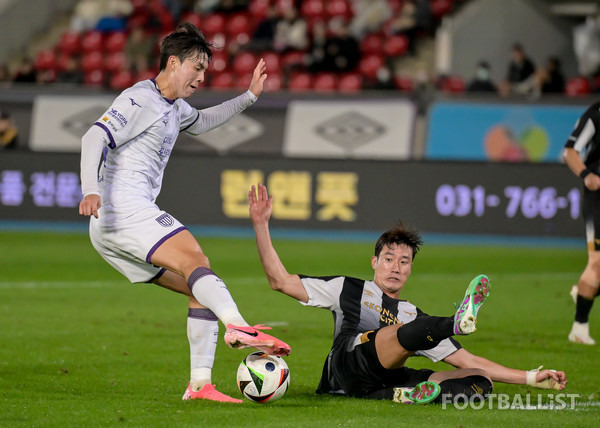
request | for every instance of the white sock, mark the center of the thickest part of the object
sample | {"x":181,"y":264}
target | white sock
{"x":211,"y":291}
{"x":202,"y":332}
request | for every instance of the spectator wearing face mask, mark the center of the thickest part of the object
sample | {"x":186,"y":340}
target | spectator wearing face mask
{"x":482,"y":81}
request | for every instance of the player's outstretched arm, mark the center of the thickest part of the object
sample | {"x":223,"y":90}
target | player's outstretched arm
{"x":261,"y":206}
{"x":545,"y":379}
{"x":576,"y":165}
{"x":258,"y":78}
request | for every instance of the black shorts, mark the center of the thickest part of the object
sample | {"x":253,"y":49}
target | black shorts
{"x":360,"y":374}
{"x":591,"y":217}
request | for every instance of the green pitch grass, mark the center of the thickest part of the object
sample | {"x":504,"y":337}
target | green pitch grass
{"x":80,"y":346}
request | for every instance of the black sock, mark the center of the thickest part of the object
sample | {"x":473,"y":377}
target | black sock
{"x":425,"y":332}
{"x":582,"y":309}
{"x":464,"y":388}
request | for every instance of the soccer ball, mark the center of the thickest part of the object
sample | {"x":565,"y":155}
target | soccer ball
{"x":263,"y":378}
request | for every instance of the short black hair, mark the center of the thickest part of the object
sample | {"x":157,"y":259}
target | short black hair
{"x":399,"y":235}
{"x":186,"y":42}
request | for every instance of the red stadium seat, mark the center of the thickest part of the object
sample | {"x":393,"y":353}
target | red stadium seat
{"x":122,"y":80}
{"x":94,"y":78}
{"x":453,"y":84}
{"x":351,"y":82}
{"x":145,"y":75}
{"x":395,"y":45}
{"x":244,"y":63}
{"x":258,"y":9}
{"x":222,"y":81}
{"x":213,"y":24}
{"x":300,"y":82}
{"x":339,"y":8}
{"x":404,"y":83}
{"x":70,"y":43}
{"x":46,"y":60}
{"x":325,"y":82}
{"x":115,"y":61}
{"x":92,"y":41}
{"x":115,"y":42}
{"x":274,"y":82}
{"x":192,"y":18}
{"x":239,"y":27}
{"x":272,"y":60}
{"x":92,"y":61}
{"x":293,"y":59}
{"x":372,"y":43}
{"x":313,"y":9}
{"x":369,"y":65}
{"x":577,"y":86}
{"x":439,"y":8}
{"x":219,"y":62}
{"x":243,"y":82}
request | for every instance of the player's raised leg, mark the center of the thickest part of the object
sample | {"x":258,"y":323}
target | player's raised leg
{"x":182,"y":253}
{"x":465,"y":319}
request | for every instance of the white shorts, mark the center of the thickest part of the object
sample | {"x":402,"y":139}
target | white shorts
{"x":128,"y":245}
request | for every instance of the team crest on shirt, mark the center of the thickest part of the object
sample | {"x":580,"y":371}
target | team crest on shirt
{"x":165,"y":220}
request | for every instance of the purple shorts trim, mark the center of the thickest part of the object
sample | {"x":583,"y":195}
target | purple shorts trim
{"x":112,"y":143}
{"x":197,"y":274}
{"x":202,"y":314}
{"x":162,"y":240}
{"x":158,"y":275}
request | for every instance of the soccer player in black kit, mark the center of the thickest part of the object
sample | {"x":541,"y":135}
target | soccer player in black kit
{"x":582,"y":156}
{"x":375,"y":332}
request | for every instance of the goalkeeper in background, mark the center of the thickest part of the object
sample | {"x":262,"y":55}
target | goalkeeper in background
{"x":376,"y":332}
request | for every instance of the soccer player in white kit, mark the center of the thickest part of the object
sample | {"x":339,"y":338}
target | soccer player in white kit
{"x":132,"y":142}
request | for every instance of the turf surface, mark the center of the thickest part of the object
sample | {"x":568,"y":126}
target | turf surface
{"x":80,"y":346}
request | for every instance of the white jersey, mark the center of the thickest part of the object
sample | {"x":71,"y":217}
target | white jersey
{"x":359,"y":306}
{"x":142,"y":127}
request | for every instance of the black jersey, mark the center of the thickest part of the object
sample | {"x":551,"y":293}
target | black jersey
{"x":360,"y":306}
{"x":585,"y":138}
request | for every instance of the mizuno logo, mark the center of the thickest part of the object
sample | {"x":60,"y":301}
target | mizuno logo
{"x":133,"y":103}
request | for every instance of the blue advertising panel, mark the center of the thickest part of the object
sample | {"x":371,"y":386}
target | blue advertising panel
{"x":501,"y":132}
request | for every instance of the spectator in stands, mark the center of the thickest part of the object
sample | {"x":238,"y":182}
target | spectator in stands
{"x":520,"y":72}
{"x":9,"y":134}
{"x":86,"y":15}
{"x":139,"y":49}
{"x":291,"y":31}
{"x":264,"y":34}
{"x":550,"y":79}
{"x":482,"y":82}
{"x":72,"y":73}
{"x":384,"y":79}
{"x":404,"y":22}
{"x":114,"y":15}
{"x":315,"y":58}
{"x":342,"y":50}
{"x":369,"y":16}
{"x":26,"y":72}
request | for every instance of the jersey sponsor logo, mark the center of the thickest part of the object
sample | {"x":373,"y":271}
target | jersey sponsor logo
{"x":166,"y":118}
{"x":122,"y":120}
{"x":385,"y":316}
{"x":133,"y":103}
{"x":165,"y":220}
{"x":108,"y":122}
{"x":368,"y":293}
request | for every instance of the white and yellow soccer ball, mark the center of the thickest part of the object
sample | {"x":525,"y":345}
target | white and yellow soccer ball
{"x":263,"y":378}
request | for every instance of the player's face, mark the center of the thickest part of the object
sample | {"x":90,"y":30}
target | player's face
{"x":392,"y":268}
{"x":189,"y":75}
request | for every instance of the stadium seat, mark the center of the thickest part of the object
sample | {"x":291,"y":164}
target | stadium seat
{"x":350,"y":82}
{"x":272,"y":60}
{"x":222,"y":80}
{"x":115,"y":42}
{"x":369,"y":65}
{"x":274,"y":82}
{"x":115,"y":61}
{"x":92,"y":41}
{"x":339,"y":8}
{"x":192,"y":18}
{"x":239,"y":27}
{"x":300,"y":82}
{"x":372,"y":43}
{"x":439,"y":8}
{"x":94,"y":78}
{"x":69,"y":43}
{"x":219,"y":62}
{"x":453,"y":84}
{"x":92,"y":61}
{"x":145,"y":75}
{"x":577,"y":86}
{"x":313,"y":9}
{"x":213,"y":24}
{"x":404,"y":83}
{"x":243,"y":82}
{"x":396,"y":45}
{"x":122,"y":80}
{"x":325,"y":82}
{"x":244,"y":63}
{"x":46,"y":60}
{"x":258,"y":9}
{"x":293,"y":59}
